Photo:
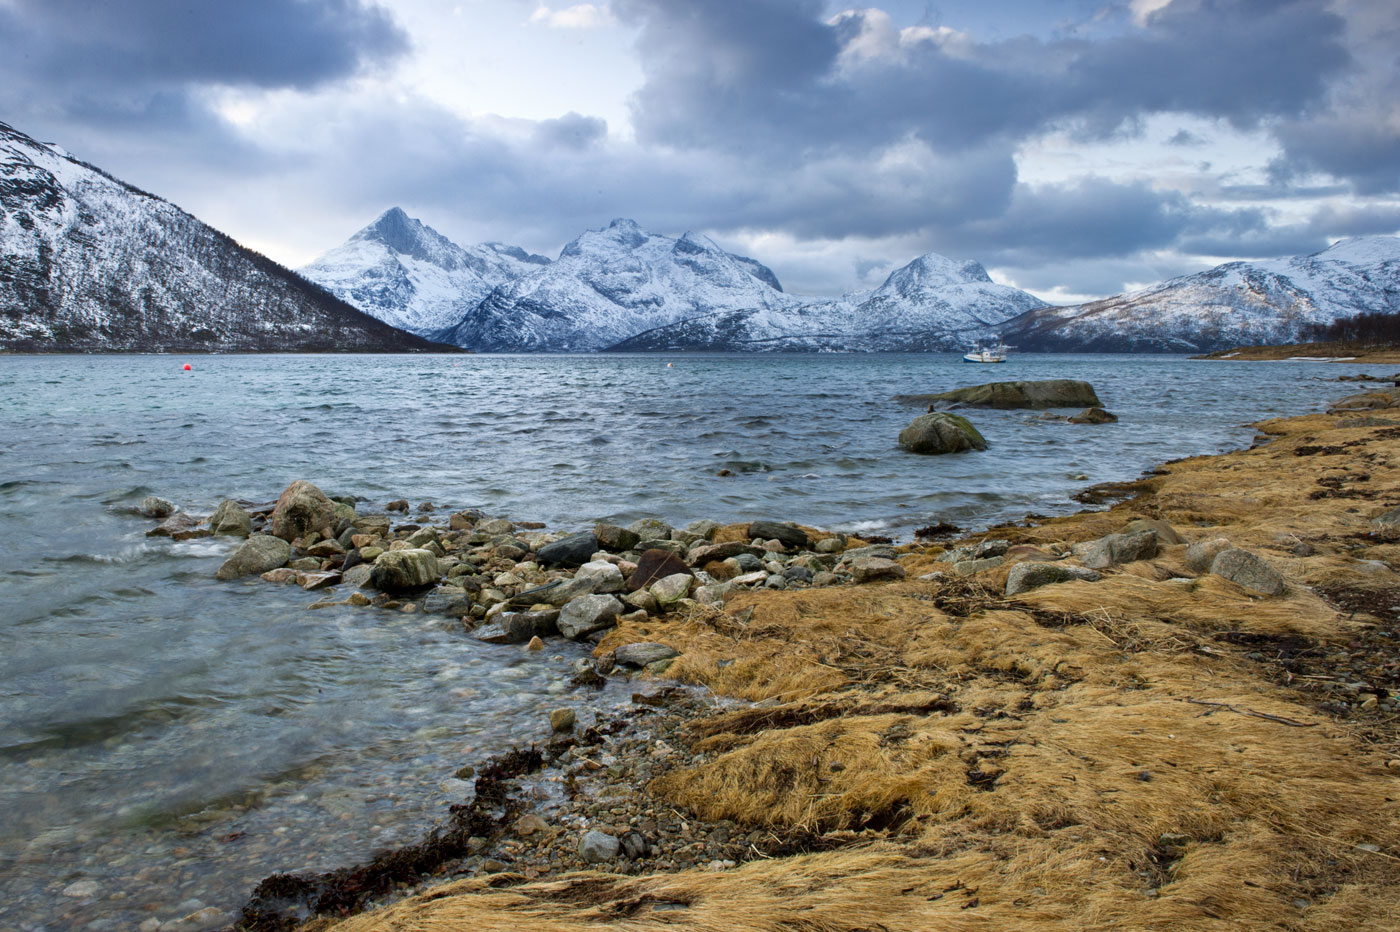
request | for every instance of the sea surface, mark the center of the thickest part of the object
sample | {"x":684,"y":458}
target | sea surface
{"x":167,"y":740}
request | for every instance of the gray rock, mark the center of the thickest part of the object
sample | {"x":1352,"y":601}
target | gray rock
{"x":401,"y":570}
{"x":1388,"y":523}
{"x":643,"y":600}
{"x":1201,"y":554}
{"x":562,"y":720}
{"x":708,"y":553}
{"x":650,"y":529}
{"x":643,"y":653}
{"x":614,"y":538}
{"x":748,"y":562}
{"x":884,"y":551}
{"x":422,"y":538}
{"x":981,"y":550}
{"x":1050,"y":393}
{"x":587,"y":614}
{"x":635,"y":845}
{"x":230,"y":518}
{"x":602,"y":576}
{"x":596,"y":847}
{"x":1166,"y":534}
{"x":153,"y":506}
{"x":495,"y":527}
{"x":790,"y":534}
{"x":671,"y":588}
{"x":797,"y":573}
{"x":448,"y":600}
{"x":358,"y":575}
{"x":970,"y":567}
{"x":831,"y":545}
{"x":870,"y":569}
{"x":259,"y":553}
{"x":572,"y":551}
{"x":179,"y":526}
{"x":1245,"y":569}
{"x":510,"y":548}
{"x":558,"y":593}
{"x":1120,"y":548}
{"x":932,"y":434}
{"x":668,"y":545}
{"x":1026,"y":576}
{"x":705,"y":529}
{"x":301,"y":509}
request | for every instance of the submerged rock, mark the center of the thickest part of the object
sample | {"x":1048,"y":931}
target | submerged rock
{"x":931,"y":434}
{"x":153,"y":506}
{"x":260,"y":553}
{"x":1050,"y":393}
{"x":1094,"y":416}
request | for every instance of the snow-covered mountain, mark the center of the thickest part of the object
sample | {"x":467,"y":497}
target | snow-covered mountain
{"x":89,"y":263}
{"x":610,"y":284}
{"x":931,"y":304}
{"x":1236,"y":304}
{"x":411,"y":276}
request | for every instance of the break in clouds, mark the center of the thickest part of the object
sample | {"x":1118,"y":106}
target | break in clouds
{"x":830,"y":143}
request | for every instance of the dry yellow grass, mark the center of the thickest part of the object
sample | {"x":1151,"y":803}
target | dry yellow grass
{"x":978,"y":762}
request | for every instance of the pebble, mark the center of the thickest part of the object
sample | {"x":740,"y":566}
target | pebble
{"x":82,"y":889}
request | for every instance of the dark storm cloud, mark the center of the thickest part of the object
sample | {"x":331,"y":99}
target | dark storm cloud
{"x":172,"y":43}
{"x":737,"y":73}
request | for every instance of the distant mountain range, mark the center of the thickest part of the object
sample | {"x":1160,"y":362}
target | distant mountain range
{"x":89,"y":263}
{"x":623,"y":289}
{"x":1236,"y":304}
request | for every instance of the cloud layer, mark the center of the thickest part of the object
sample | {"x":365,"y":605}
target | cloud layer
{"x":772,"y":123}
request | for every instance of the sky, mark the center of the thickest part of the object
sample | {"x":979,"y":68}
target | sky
{"x":1077,"y":148}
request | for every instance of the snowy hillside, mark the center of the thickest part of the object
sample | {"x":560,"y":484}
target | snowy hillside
{"x":88,"y":263}
{"x":931,"y":304}
{"x":1236,"y":304}
{"x":409,"y":275}
{"x":610,"y":284}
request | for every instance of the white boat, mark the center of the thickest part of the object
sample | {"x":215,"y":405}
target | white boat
{"x":980,"y":354}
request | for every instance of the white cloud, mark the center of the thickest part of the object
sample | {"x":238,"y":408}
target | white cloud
{"x":578,"y":16}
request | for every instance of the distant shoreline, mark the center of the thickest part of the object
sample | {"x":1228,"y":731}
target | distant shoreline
{"x":1328,"y":352}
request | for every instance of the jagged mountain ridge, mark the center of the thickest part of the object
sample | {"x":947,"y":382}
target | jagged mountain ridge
{"x":612,"y":283}
{"x":89,"y":263}
{"x":933,"y":304}
{"x":408,"y":275}
{"x":626,"y":289}
{"x":1235,"y":304}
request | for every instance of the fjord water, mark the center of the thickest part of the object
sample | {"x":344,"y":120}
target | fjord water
{"x":166,"y":739}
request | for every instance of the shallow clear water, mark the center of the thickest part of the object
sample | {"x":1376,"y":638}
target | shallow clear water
{"x":174,"y":739}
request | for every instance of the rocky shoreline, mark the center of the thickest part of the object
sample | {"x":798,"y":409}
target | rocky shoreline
{"x":1272,"y":595}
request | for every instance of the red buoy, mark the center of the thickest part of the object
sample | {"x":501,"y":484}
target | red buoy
{"x":187,"y":367}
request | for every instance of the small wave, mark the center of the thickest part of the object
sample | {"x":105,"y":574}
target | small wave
{"x":129,"y":555}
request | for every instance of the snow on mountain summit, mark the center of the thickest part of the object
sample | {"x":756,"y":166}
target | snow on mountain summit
{"x":89,"y":263}
{"x":1235,"y":304}
{"x":611,"y":283}
{"x":407,"y":274}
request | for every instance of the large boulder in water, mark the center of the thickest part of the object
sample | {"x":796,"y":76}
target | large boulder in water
{"x":231,"y":518}
{"x":301,"y":509}
{"x":1050,"y":393}
{"x":259,"y":553}
{"x":401,"y":570}
{"x":941,"y":433}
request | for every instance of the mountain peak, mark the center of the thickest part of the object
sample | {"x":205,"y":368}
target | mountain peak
{"x":932,"y":271}
{"x":399,"y":232}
